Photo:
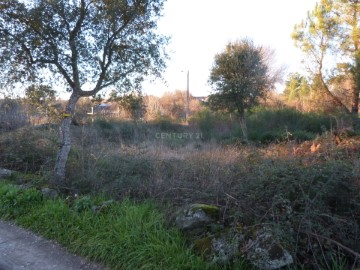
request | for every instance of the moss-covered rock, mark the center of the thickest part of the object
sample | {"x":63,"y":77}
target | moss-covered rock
{"x":265,"y":252}
{"x":195,"y":216}
{"x":220,"y":249}
{"x":211,"y":210}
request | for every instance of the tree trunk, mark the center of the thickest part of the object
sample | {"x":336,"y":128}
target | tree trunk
{"x":65,"y":142}
{"x":243,"y":126}
{"x":356,"y":90}
{"x":355,"y":101}
{"x":337,"y":101}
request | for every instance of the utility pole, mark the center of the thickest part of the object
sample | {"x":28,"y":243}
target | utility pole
{"x":187,"y":98}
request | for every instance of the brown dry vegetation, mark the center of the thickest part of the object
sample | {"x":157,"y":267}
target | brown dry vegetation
{"x":318,"y":180}
{"x":297,"y":176}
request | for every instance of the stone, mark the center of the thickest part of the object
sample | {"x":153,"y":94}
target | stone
{"x":5,"y":173}
{"x":196,"y":216}
{"x":266,"y":253}
{"x":49,"y":193}
{"x":225,"y":248}
{"x":220,"y":249}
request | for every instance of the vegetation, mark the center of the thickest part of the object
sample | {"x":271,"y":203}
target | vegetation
{"x":101,"y":43}
{"x":333,"y":24}
{"x":288,"y":162}
{"x":123,"y":235}
{"x":253,"y":183}
{"x":240,"y":76}
{"x":12,"y":114}
{"x":132,"y":103}
{"x":41,"y":102}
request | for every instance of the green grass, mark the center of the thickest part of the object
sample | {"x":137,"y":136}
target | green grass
{"x":126,"y":235}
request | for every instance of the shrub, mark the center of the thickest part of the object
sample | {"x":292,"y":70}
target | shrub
{"x":28,"y":149}
{"x":82,"y":204}
{"x":15,"y":202}
{"x":127,"y":131}
{"x":12,"y":115}
{"x":206,"y":123}
{"x":165,"y":124}
{"x":275,"y":125}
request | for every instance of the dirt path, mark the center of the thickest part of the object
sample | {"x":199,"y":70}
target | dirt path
{"x":22,"y":249}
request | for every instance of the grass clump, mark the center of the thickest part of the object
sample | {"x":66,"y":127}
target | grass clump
{"x":125,"y":236}
{"x":15,"y":202}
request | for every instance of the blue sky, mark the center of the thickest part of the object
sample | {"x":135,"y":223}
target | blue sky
{"x":201,"y":28}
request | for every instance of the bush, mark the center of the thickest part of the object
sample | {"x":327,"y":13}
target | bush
{"x":307,"y":205}
{"x":127,"y":131}
{"x":15,"y":202}
{"x":301,"y":136}
{"x":28,"y":149}
{"x":165,"y":124}
{"x":206,"y":123}
{"x":277,"y":125}
{"x":12,"y":115}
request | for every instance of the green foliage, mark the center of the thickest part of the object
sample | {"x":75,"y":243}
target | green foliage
{"x":206,"y":123}
{"x":255,"y":184}
{"x":105,"y":128}
{"x":286,"y":124}
{"x":39,"y":96}
{"x":296,"y":87}
{"x":95,"y":43}
{"x":266,"y":125}
{"x":132,"y":103}
{"x":240,"y":77}
{"x":122,"y":176}
{"x":15,"y":202}
{"x":47,"y":41}
{"x":331,"y":29}
{"x":127,"y":236}
{"x":102,"y":124}
{"x":82,"y":204}
{"x":167,"y":125}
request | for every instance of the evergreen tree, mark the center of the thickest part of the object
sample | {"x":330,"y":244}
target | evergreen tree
{"x":240,"y":76}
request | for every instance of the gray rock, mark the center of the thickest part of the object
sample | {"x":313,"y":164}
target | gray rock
{"x":5,"y":173}
{"x":225,"y":248}
{"x":220,"y":249}
{"x":49,"y":193}
{"x":196,"y":216}
{"x":266,"y":253}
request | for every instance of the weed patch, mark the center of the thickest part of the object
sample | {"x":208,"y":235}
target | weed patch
{"x":127,"y":236}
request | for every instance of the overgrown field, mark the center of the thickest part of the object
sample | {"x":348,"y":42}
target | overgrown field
{"x":171,"y":165}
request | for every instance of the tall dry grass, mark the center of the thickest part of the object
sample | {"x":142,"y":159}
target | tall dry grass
{"x":307,"y":195}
